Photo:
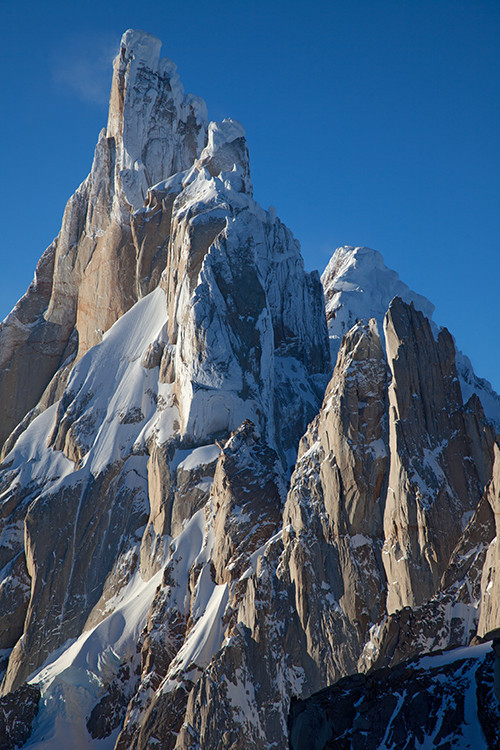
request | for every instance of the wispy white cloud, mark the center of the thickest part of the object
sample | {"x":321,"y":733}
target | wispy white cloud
{"x":83,"y":66}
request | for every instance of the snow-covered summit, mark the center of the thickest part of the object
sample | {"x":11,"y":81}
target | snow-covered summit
{"x":358,"y":285}
{"x":142,"y":46}
{"x":220,"y":133}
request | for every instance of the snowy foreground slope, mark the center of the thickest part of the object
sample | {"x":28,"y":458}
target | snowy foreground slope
{"x":204,"y":514}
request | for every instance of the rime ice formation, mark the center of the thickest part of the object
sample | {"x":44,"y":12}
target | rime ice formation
{"x":202,"y":522}
{"x":359,"y":286}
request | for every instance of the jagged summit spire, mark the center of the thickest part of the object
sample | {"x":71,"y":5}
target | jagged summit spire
{"x":158,"y":129}
{"x":90,"y":274}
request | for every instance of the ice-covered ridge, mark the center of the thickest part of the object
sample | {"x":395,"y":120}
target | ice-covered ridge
{"x":111,"y":406}
{"x":204,"y":640}
{"x":111,"y":399}
{"x":448,"y":657}
{"x":30,"y":457}
{"x":190,"y":459}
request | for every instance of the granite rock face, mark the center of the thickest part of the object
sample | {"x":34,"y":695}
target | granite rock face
{"x":200,"y":521}
{"x":358,"y":286}
{"x":18,"y":711}
{"x":449,"y":619}
{"x":334,"y":510}
{"x":440,"y":457}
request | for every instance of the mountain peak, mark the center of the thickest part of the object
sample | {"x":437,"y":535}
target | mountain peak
{"x":163,"y":383}
{"x":138,"y":49}
{"x":143,"y":45}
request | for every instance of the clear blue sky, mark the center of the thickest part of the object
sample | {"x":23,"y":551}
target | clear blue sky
{"x":369,"y":123}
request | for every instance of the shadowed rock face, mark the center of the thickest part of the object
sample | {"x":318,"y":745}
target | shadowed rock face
{"x":436,"y":700}
{"x":248,"y":497}
{"x":490,"y":583}
{"x":66,"y":569}
{"x":18,"y":711}
{"x":25,"y":337}
{"x":245,"y":512}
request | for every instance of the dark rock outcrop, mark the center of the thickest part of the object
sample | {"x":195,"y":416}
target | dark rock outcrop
{"x":438,"y":701}
{"x":18,"y":711}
